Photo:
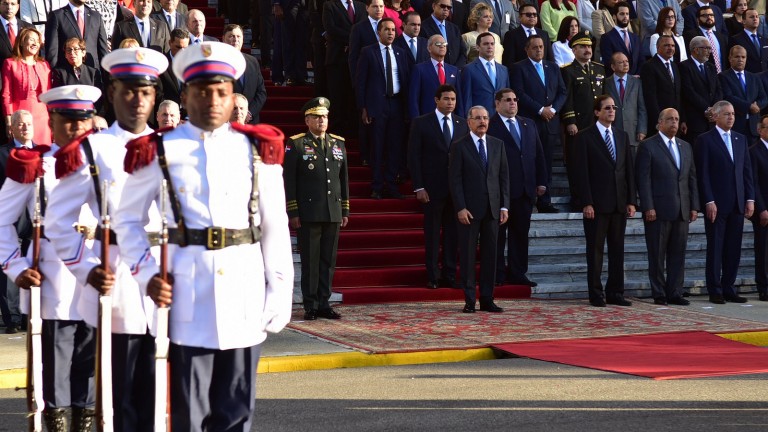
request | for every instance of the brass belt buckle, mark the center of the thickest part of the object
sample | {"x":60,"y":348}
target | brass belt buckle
{"x":216,"y":238}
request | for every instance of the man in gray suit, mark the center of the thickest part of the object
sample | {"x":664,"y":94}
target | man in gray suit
{"x":504,"y":15}
{"x":669,"y":196}
{"x":631,"y":116}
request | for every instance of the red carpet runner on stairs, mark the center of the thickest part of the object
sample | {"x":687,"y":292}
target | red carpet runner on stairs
{"x":381,"y":251}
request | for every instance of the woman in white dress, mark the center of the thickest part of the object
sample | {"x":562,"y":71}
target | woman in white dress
{"x":561,"y":48}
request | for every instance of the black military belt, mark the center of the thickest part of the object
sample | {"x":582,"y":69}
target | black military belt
{"x":112,"y":236}
{"x":212,"y":237}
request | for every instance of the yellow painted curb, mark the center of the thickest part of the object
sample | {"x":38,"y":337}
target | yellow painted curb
{"x":752,"y":338}
{"x":12,"y":378}
{"x":356,"y":359}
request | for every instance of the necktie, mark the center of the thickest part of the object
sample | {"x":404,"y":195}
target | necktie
{"x":440,"y":73}
{"x":530,"y":32}
{"x":390,"y":84}
{"x":491,"y":72}
{"x":514,"y":132}
{"x":715,"y":51}
{"x":11,"y":34}
{"x":727,"y":139}
{"x":442,"y":30}
{"x":701,"y":69}
{"x":671,"y":146}
{"x":197,"y":41}
{"x":743,"y":83}
{"x":540,"y":71}
{"x":483,"y":156}
{"x":171,"y":22}
{"x":756,"y":41}
{"x":144,"y":34}
{"x":446,"y":131}
{"x":669,"y":71}
{"x":498,"y":9}
{"x":626,"y":41}
{"x":350,"y":11}
{"x":609,"y":144}
{"x":621,"y":89}
{"x":81,"y":23}
{"x":77,"y":73}
{"x":413,"y":47}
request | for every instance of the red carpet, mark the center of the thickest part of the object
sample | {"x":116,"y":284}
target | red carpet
{"x":406,"y":294}
{"x":659,"y":356}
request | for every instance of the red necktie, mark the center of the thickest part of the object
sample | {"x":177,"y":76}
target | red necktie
{"x":81,"y":23}
{"x":350,"y":11}
{"x":440,"y":73}
{"x":11,"y":34}
{"x":621,"y":89}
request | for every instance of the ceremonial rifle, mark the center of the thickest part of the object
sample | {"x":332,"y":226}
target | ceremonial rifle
{"x":104,"y":410}
{"x":35,"y":326}
{"x":162,"y":342}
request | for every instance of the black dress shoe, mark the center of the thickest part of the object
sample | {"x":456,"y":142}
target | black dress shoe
{"x":11,"y":330}
{"x":716,"y":299}
{"x":597,"y":303}
{"x":490,"y":307}
{"x":328,"y":313}
{"x":660,"y":301}
{"x":432,"y":285}
{"x":735,"y":299}
{"x":679,"y":301}
{"x":762,"y":296}
{"x":547,"y":208}
{"x":376,"y":195}
{"x":686,"y":294}
{"x":446,"y":282}
{"x":395,"y":195}
{"x":524,"y":281}
{"x":618,"y":301}
{"x":469,"y":308}
{"x":310,"y":315}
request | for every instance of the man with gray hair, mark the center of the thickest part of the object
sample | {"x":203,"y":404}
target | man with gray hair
{"x":240,"y":112}
{"x":168,"y":114}
{"x":700,"y":88}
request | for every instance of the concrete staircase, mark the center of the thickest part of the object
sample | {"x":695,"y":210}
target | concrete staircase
{"x":558,"y":263}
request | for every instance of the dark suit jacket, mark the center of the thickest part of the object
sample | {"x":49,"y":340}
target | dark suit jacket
{"x":169,"y":85}
{"x":62,"y":25}
{"x":65,"y":75}
{"x":337,"y":28}
{"x":670,"y":191}
{"x":606,"y":185}
{"x":159,"y":36}
{"x":527,"y":167}
{"x":181,"y":19}
{"x":690,"y":22}
{"x":726,"y":182}
{"x":759,"y":156}
{"x":612,"y":42}
{"x":533,"y":95}
{"x":370,"y":82}
{"x":476,"y":85}
{"x":755,"y":58}
{"x":458,"y":15}
{"x":514,"y":46}
{"x":659,"y":91}
{"x":457,"y":51}
{"x":361,"y":36}
{"x":251,"y":85}
{"x":722,"y":39}
{"x":734,"y":93}
{"x":424,"y":84}
{"x":180,"y":7}
{"x":698,"y":94}
{"x":5,"y":43}
{"x":422,"y":54}
{"x":472,"y":186}
{"x":428,"y":153}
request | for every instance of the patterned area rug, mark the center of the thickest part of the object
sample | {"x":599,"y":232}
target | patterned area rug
{"x":404,"y":327}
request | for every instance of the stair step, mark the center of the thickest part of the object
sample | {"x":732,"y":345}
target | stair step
{"x":371,"y":222}
{"x":367,"y":205}
{"x":381,"y":239}
{"x":380,"y":257}
{"x":372,"y":277}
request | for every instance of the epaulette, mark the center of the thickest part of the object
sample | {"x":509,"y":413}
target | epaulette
{"x":336,"y":136}
{"x":297,"y":136}
{"x":566,"y":65}
{"x":141,"y":151}
{"x":271,"y":146}
{"x":599,"y":64}
{"x":69,"y":158}
{"x":25,"y":165}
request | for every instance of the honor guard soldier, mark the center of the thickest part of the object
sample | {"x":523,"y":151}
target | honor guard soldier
{"x":68,"y":343}
{"x":230,"y":266}
{"x":584,"y":82}
{"x":316,"y":187}
{"x":134,"y":74}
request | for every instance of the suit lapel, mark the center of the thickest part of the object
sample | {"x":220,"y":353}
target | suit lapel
{"x":535,"y":74}
{"x":665,"y":148}
{"x":475,"y":152}
{"x":4,"y":36}
{"x":71,"y":18}
{"x":600,"y":142}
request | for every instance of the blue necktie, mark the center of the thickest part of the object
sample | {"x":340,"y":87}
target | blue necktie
{"x":413,"y":47}
{"x":483,"y":156}
{"x":756,"y":41}
{"x":491,"y":72}
{"x":609,"y":144}
{"x":446,"y":131}
{"x":727,"y":139}
{"x":743,"y":83}
{"x":442,"y":31}
{"x":540,"y":71}
{"x":513,"y":130}
{"x":672,"y":152}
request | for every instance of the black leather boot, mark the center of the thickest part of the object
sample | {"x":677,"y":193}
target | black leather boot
{"x":55,"y":419}
{"x":82,"y":419}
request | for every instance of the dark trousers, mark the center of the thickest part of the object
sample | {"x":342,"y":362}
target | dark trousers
{"x":440,"y":213}
{"x":610,"y":227}
{"x":487,"y":228}
{"x":723,"y":251}
{"x":549,"y":140}
{"x":213,"y":390}
{"x":9,"y":302}
{"x":318,"y":59}
{"x":386,"y":136}
{"x":133,"y":382}
{"x":666,"y":242}
{"x":266,"y":28}
{"x":69,"y":356}
{"x":340,"y":94}
{"x":761,"y":247}
{"x":514,"y":234}
{"x":317,"y":243}
{"x":294,"y":32}
{"x":277,"y":69}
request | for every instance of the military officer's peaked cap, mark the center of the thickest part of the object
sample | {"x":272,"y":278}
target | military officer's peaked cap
{"x":209,"y":62}
{"x":581,"y":38}
{"x":73,"y":101}
{"x":140,"y":65}
{"x":317,"y":106}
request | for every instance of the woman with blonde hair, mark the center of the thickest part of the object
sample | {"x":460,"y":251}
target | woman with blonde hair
{"x":480,"y":21}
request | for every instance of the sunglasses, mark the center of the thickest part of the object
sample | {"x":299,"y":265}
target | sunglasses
{"x":530,"y":14}
{"x":446,"y":7}
{"x":509,"y":99}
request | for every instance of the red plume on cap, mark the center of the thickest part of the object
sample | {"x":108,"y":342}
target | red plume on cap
{"x":141,"y":151}
{"x":271,"y":145}
{"x":25,"y":165}
{"x":69,"y":158}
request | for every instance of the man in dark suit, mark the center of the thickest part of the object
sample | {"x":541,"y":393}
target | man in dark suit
{"x":621,"y":39}
{"x":63,"y":24}
{"x":149,"y":32}
{"x":438,"y":23}
{"x":364,"y":33}
{"x":606,"y":184}
{"x":666,"y":182}
{"x":514,"y":41}
{"x":425,"y":79}
{"x":542,"y":93}
{"x":481,"y":79}
{"x":337,"y":25}
{"x":479,"y":183}
{"x":700,"y":88}
{"x":458,"y":15}
{"x":429,"y":144}
{"x":251,"y":83}
{"x":691,"y":15}
{"x":171,"y":14}
{"x":527,"y":180}
{"x":170,"y":86}
{"x":744,"y":91}
{"x":661,"y":81}
{"x":410,"y":40}
{"x":196,"y":27}
{"x":724,"y":171}
{"x":294,"y":19}
{"x":631,"y":117}
{"x":751,"y":41}
{"x":179,"y":6}
{"x":718,"y":40}
{"x":759,"y":155}
{"x":381,"y":89}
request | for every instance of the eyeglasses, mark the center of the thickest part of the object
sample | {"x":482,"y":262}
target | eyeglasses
{"x":440,"y":44}
{"x":530,"y":14}
{"x":509,"y":99}
{"x":480,"y":118}
{"x":707,"y":15}
{"x":72,"y":50}
{"x":446,"y":7}
{"x":705,"y":48}
{"x":610,"y":108}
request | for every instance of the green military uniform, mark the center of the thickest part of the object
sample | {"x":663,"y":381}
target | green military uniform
{"x":317,"y":192}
